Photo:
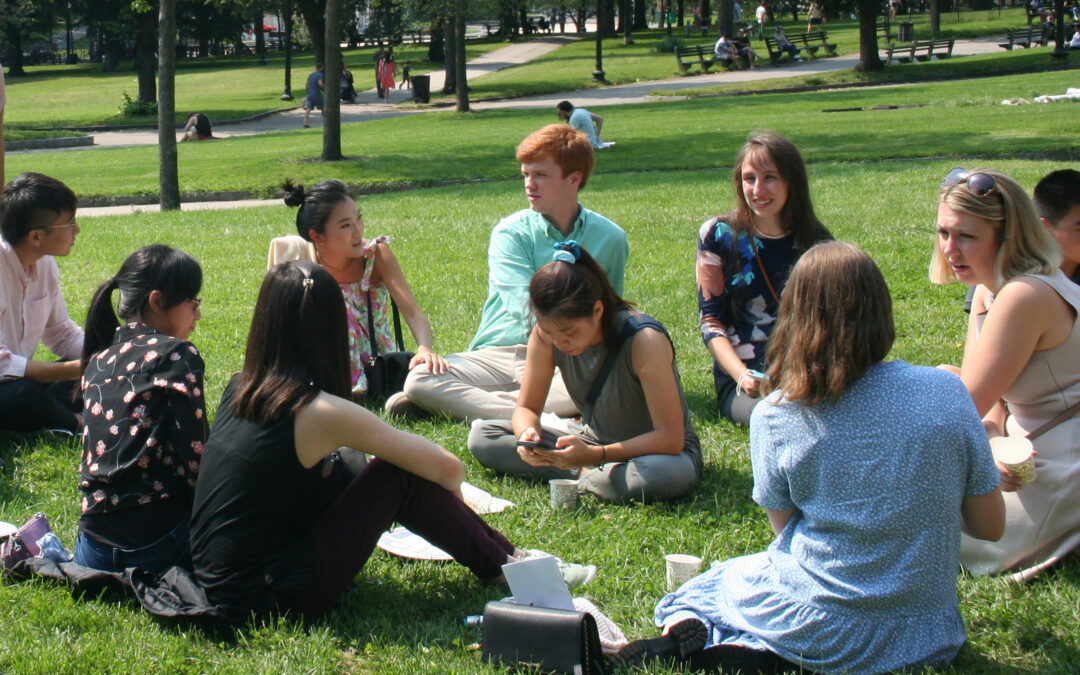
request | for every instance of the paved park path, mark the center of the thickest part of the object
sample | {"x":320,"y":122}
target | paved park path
{"x":369,"y":107}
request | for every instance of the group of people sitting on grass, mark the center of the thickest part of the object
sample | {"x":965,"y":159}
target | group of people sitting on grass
{"x":877,"y":476}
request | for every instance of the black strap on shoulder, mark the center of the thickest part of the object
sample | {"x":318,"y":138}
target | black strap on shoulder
{"x":633,"y":324}
{"x":371,"y":326}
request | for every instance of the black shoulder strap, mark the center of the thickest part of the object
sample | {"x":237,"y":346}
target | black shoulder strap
{"x":371,"y":326}
{"x":633,"y":324}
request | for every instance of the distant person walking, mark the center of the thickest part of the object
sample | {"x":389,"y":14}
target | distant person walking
{"x":761,"y":13}
{"x":387,"y":74}
{"x":406,"y":80}
{"x":316,"y":83}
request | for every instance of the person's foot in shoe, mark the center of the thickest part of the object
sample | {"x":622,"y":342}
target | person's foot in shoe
{"x":400,"y":405}
{"x":572,"y":573}
{"x":678,"y":644}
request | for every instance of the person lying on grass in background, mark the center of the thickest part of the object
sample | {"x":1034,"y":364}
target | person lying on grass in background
{"x":331,"y":233}
{"x":743,"y":261}
{"x":142,"y":391}
{"x":275,"y":524}
{"x":37,"y":220}
{"x":1020,"y":359}
{"x":635,"y":440}
{"x":483,"y":383}
{"x":868,"y":471}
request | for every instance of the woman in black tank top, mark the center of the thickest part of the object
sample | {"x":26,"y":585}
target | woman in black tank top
{"x":268,"y":529}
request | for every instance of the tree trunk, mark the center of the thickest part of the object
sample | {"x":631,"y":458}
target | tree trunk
{"x":868,"y":48}
{"x":14,"y":58}
{"x":459,"y":57}
{"x":260,"y":36}
{"x":332,"y":80}
{"x":169,"y":181}
{"x":316,"y":25}
{"x":641,"y":15}
{"x":145,"y":44}
{"x":935,"y":17}
{"x":436,"y":51}
{"x":681,"y":11}
{"x":450,"y":67}
{"x":725,"y":17}
{"x":627,"y":19}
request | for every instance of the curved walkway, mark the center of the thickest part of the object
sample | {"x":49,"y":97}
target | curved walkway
{"x":369,"y":107}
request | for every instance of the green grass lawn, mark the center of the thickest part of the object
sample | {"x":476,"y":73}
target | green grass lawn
{"x":405,"y":617}
{"x":222,"y":87}
{"x":27,"y":135}
{"x":958,"y":118}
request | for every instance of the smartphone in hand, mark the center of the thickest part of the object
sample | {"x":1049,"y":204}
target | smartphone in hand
{"x":536,"y":445}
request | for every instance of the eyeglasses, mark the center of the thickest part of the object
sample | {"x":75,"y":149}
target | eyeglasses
{"x":196,"y":304}
{"x":50,"y":228}
{"x":980,"y":184}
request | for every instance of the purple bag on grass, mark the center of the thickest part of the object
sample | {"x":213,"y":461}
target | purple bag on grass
{"x":24,"y":543}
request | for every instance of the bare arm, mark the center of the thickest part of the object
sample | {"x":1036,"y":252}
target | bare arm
{"x":598,"y":122}
{"x":46,"y":372}
{"x":730,"y":363}
{"x":535,"y":384}
{"x":983,"y":517}
{"x":1027,"y":316}
{"x":652,"y":356}
{"x":779,"y":519}
{"x":329,"y":422}
{"x":389,"y":272}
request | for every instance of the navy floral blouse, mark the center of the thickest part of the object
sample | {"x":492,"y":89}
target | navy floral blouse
{"x":728,"y":270}
{"x":145,"y":421}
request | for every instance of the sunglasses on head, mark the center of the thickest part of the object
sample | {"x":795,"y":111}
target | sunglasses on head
{"x":980,"y":184}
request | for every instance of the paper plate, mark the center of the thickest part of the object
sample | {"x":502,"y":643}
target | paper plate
{"x":7,"y":529}
{"x":404,"y":543}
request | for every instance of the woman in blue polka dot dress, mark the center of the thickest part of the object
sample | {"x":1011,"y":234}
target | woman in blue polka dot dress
{"x":868,"y":471}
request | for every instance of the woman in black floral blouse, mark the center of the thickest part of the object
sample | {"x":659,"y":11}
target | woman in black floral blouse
{"x":145,"y":416}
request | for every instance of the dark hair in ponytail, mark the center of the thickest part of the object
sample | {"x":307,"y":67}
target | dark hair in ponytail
{"x":564,"y":290}
{"x":170,"y":271}
{"x":315,"y":205}
{"x":298,"y":344}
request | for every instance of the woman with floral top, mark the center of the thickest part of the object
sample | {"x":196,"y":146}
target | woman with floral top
{"x":332,"y":232}
{"x":743,"y":261}
{"x":144,"y":414}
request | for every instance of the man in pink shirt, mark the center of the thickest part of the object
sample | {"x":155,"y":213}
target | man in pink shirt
{"x":37,"y":220}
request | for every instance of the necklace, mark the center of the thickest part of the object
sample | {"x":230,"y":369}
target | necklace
{"x":768,"y":236}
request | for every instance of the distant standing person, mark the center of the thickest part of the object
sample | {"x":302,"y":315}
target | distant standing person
{"x":405,"y":78}
{"x":814,"y":17}
{"x":197,"y":128}
{"x":761,"y":13}
{"x":582,"y":120}
{"x":378,"y":57}
{"x":316,"y":82}
{"x":387,"y":73}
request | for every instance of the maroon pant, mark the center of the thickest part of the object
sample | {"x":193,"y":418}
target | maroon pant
{"x":346,"y":533}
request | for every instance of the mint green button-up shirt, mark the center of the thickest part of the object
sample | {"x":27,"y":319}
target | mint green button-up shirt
{"x":523,"y":243}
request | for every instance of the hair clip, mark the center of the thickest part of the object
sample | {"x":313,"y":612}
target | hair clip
{"x":567,"y":252}
{"x":308,"y":282}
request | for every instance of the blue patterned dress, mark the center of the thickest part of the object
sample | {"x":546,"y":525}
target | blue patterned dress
{"x":863,"y":577}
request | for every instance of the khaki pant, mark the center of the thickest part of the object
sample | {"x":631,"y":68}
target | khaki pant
{"x":482,"y":384}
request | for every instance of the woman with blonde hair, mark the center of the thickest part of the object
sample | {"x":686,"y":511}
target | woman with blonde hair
{"x":868,"y":471}
{"x":1020,"y":359}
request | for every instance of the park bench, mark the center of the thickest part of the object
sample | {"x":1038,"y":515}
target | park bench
{"x":1024,"y":37}
{"x":924,"y":50}
{"x":813,"y":41}
{"x":686,"y":66}
{"x":774,"y":51}
{"x":901,"y":53}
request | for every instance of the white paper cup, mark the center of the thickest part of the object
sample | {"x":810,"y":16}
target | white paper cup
{"x":1016,"y":453}
{"x":680,"y":569}
{"x":564,"y":493}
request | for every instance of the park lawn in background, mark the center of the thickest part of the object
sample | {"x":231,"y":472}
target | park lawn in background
{"x":430,"y":147}
{"x":1030,"y":62}
{"x":405,"y":617}
{"x":28,"y":135}
{"x":570,"y":67}
{"x":226,"y":87}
